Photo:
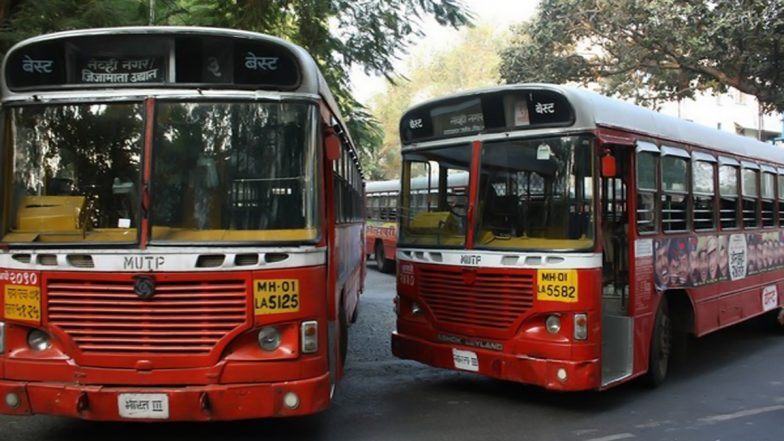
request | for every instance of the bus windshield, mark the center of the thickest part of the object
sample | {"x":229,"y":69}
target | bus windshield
{"x":219,"y":172}
{"x":73,"y":173}
{"x":533,"y":194}
{"x":434,"y":202}
{"x":536,"y":194}
{"x":234,"y":172}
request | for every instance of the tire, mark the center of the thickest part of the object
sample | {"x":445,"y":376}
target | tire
{"x":780,"y":321}
{"x":661,"y":346}
{"x":383,"y":264}
{"x":774,"y":321}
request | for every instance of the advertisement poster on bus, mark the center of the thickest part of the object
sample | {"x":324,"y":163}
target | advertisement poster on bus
{"x":701,"y":260}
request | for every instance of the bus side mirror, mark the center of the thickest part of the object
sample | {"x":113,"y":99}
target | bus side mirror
{"x":608,"y":165}
{"x":332,"y":146}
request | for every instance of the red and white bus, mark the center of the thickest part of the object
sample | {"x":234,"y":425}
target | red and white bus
{"x":182,"y":227}
{"x":598,"y":234}
{"x":381,"y":208}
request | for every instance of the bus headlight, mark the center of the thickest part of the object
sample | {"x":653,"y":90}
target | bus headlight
{"x":415,"y":308}
{"x":269,"y":338}
{"x":38,"y":340}
{"x":581,"y":326}
{"x":309,"y":336}
{"x":553,"y":324}
{"x":2,"y":337}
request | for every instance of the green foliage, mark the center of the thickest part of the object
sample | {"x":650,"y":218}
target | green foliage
{"x":654,"y":50}
{"x":471,"y":62}
{"x":339,"y":34}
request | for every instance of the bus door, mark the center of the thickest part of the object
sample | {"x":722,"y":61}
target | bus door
{"x":617,"y":324}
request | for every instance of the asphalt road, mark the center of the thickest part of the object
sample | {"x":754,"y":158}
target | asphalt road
{"x":730,"y":388}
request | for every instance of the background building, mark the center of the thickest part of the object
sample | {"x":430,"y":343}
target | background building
{"x":733,"y":112}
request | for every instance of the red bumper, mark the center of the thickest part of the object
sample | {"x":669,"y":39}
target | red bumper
{"x":187,"y":403}
{"x":580,"y":375}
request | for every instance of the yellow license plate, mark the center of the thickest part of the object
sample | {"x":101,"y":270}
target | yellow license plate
{"x":557,"y":286}
{"x":275,"y":296}
{"x":22,"y":303}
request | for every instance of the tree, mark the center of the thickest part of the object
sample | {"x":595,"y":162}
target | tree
{"x":471,"y":62}
{"x":338,"y":33}
{"x":654,"y":50}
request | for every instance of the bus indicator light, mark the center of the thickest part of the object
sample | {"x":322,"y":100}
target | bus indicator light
{"x":581,"y":326}
{"x":557,"y":286}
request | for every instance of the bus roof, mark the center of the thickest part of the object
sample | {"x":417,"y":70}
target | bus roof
{"x":390,"y":186}
{"x":593,"y":110}
{"x":459,"y":179}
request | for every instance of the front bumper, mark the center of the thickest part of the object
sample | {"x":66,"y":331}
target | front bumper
{"x":580,"y":375}
{"x":187,"y":403}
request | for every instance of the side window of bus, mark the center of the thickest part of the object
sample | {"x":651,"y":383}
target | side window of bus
{"x":337,"y":186}
{"x":384,"y":212}
{"x":728,"y":193}
{"x":373,"y":207}
{"x":703,"y":188}
{"x":392,"y":215}
{"x":347,"y":183}
{"x":675,"y":191}
{"x":768,"y":195}
{"x":647,"y":167}
{"x":781,"y":196}
{"x":750,"y":189}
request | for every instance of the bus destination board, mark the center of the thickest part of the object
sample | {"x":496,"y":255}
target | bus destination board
{"x":491,"y":112}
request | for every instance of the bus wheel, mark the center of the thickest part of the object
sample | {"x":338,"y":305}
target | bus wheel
{"x":382,"y":263}
{"x":776,"y":321}
{"x":661,"y":345}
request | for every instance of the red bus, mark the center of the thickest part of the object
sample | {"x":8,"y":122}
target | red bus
{"x":182,"y":225}
{"x":598,"y":235}
{"x":381,"y":208}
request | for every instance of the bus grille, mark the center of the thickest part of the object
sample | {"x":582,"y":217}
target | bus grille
{"x":493,"y":301}
{"x":182,"y":317}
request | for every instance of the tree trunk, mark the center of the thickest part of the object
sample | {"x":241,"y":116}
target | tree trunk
{"x":6,"y":7}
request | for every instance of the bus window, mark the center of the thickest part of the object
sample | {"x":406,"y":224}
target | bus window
{"x":646,"y":191}
{"x":768,"y":194}
{"x":392,"y":215}
{"x":750,"y":197}
{"x":370,"y":201}
{"x":384,"y":212}
{"x":703,"y":182}
{"x":535,"y":193}
{"x":674,"y":193}
{"x":781,"y":196}
{"x":378,"y":207}
{"x":426,"y":218}
{"x":68,"y":182}
{"x":728,"y":191}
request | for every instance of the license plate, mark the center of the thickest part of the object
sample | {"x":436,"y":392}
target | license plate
{"x":155,"y":406}
{"x":465,"y":360}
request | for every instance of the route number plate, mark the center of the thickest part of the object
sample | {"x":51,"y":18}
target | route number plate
{"x":148,"y":406}
{"x":22,"y":303}
{"x":465,"y":360}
